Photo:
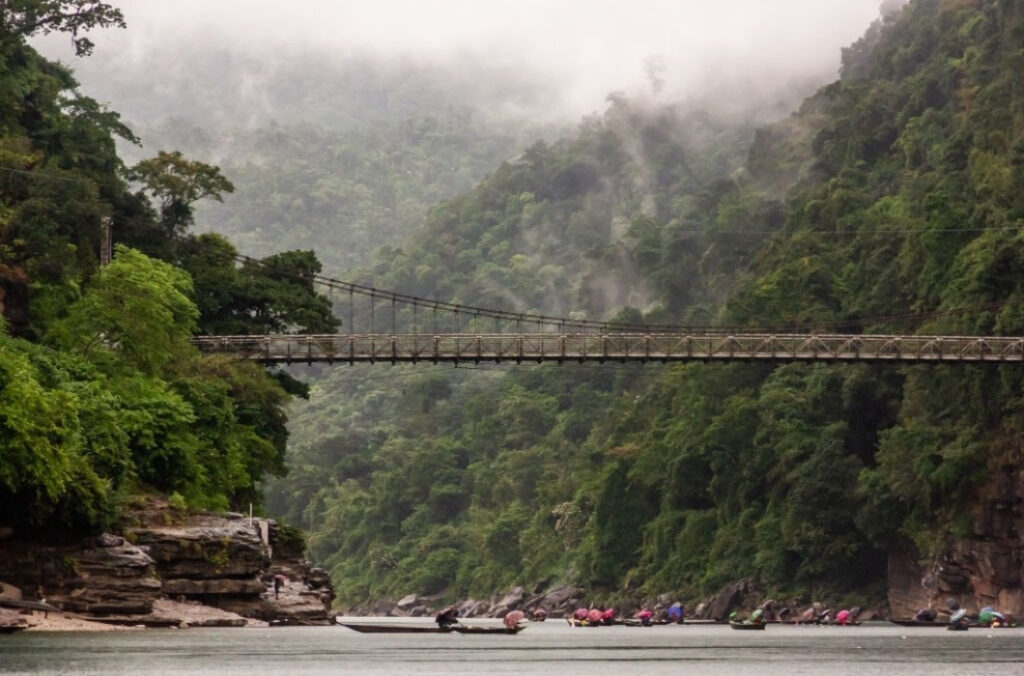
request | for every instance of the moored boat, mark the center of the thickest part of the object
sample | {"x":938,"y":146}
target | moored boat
{"x":474,"y":629}
{"x":753,"y":626}
{"x":919,"y":623}
{"x":12,"y":628}
{"x":394,"y":628}
{"x":398,"y":628}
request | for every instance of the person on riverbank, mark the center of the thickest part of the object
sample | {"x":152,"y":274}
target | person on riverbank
{"x":925,"y":615}
{"x":447,"y":617}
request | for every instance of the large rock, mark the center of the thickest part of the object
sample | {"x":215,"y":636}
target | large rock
{"x":729,"y":599}
{"x":216,"y":586}
{"x":557,"y":602}
{"x":205,"y":546}
{"x":985,"y":568}
{"x":219,"y":559}
{"x":103,"y":574}
{"x":193,"y":614}
{"x":510,"y":601}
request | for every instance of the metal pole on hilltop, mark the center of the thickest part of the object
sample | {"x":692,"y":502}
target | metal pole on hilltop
{"x":106,"y":243}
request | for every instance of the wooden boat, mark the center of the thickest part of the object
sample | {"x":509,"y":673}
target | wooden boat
{"x":752,"y":626}
{"x":396,"y":628}
{"x":919,"y":623}
{"x":473,"y":629}
{"x":12,"y":628}
{"x":957,"y":626}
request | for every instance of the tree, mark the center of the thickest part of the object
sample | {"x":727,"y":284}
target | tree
{"x":137,"y":307}
{"x":20,"y":19}
{"x":178,"y":183}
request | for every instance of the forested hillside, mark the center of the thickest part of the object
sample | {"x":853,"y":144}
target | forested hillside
{"x":101,"y":394}
{"x":340,"y":155}
{"x":889,"y":202}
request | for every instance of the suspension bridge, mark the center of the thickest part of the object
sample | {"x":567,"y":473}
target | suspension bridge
{"x":389,"y":327}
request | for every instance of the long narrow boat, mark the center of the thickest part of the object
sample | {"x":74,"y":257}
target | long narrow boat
{"x":396,"y":628}
{"x":748,"y":626}
{"x":382,"y":628}
{"x":12,"y":628}
{"x":919,"y":623}
{"x":474,"y":629}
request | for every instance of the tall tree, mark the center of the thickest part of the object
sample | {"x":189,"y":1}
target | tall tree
{"x":20,"y":19}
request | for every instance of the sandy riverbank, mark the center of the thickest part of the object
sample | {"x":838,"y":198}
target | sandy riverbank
{"x":63,"y":623}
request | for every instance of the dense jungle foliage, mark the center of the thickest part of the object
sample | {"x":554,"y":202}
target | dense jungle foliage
{"x":889,"y":202}
{"x":101,"y":393}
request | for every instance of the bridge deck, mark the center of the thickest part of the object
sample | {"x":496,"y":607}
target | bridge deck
{"x":623,"y":347}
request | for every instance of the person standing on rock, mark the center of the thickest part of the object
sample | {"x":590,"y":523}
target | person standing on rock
{"x":447,"y":617}
{"x":278,"y":581}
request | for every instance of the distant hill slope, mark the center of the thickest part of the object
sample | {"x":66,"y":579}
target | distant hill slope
{"x":895,"y":190}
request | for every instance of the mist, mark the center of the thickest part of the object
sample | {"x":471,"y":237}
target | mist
{"x":547,"y":60}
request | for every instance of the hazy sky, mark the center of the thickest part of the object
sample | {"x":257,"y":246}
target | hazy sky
{"x":587,"y":47}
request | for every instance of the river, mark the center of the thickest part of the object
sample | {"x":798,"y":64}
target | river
{"x":542,"y":650}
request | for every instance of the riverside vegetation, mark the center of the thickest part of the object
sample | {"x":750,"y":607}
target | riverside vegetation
{"x":101,"y":394}
{"x":888,"y":202}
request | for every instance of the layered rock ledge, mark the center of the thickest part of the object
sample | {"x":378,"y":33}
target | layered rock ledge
{"x":171,"y":568}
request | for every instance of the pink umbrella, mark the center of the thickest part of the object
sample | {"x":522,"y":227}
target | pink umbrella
{"x":843,"y":617}
{"x":513,"y":618}
{"x":580,"y":614}
{"x":608,"y":616}
{"x":645,"y":614}
{"x":594,"y":616}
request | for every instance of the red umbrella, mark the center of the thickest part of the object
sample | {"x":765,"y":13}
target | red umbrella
{"x":513,"y":618}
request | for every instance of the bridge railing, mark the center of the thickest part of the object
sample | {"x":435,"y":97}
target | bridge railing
{"x":541,"y":347}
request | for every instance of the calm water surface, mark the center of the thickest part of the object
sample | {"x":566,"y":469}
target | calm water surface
{"x":542,"y":650}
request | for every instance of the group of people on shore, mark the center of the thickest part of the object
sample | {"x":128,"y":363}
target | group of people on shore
{"x":987,"y":616}
{"x":602,"y":616}
{"x":769,"y":611}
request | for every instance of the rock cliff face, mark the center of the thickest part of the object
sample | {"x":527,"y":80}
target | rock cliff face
{"x":220,"y":560}
{"x":102,"y":575}
{"x":985,"y":568}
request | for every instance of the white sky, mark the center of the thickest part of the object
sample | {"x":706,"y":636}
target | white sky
{"x":588,"y":47}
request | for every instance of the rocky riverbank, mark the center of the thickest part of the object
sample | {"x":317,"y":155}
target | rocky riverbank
{"x":561,"y":601}
{"x":167,"y":567}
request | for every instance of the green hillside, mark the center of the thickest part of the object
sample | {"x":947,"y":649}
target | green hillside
{"x":892,"y":192}
{"x":101,"y":394}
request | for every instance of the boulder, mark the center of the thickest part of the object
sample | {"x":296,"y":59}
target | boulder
{"x":192,"y":614}
{"x":215,"y":586}
{"x":406,"y":602}
{"x":510,"y":601}
{"x":103,"y":574}
{"x":208,"y":546}
{"x":729,"y":599}
{"x":9,"y":592}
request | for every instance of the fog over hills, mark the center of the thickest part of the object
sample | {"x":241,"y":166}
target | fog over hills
{"x":342,"y":123}
{"x":318,"y":61}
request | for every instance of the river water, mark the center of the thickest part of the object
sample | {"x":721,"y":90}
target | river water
{"x":542,"y":650}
